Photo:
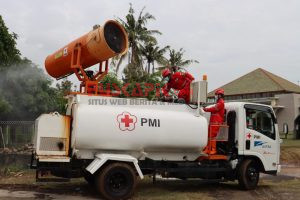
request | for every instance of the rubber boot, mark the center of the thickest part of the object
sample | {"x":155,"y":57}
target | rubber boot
{"x":213,"y":144}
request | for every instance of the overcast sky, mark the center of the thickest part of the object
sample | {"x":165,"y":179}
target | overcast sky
{"x":228,"y":38}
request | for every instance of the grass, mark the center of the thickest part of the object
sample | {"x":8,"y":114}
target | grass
{"x":290,"y":152}
{"x":290,"y":155}
{"x":290,"y":143}
{"x":10,"y":170}
{"x":25,"y":177}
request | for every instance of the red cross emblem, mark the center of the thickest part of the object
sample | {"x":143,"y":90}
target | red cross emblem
{"x":126,"y":121}
{"x":249,"y":136}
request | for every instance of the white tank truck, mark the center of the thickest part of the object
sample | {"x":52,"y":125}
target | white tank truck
{"x":112,"y":142}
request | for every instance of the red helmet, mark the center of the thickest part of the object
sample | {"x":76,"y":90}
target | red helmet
{"x":219,"y":91}
{"x":166,"y":72}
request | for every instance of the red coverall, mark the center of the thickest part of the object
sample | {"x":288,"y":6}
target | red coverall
{"x":217,"y":116}
{"x":179,"y":81}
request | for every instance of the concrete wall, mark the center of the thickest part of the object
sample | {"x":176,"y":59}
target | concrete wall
{"x":288,"y":114}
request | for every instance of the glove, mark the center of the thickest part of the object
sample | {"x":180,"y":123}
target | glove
{"x":166,"y":99}
{"x":169,"y":99}
{"x":202,"y":112}
{"x":180,"y":100}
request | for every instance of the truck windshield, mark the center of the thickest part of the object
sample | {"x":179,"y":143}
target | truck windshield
{"x":260,"y":121}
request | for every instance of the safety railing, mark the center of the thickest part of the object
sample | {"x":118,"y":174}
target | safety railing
{"x":221,"y":132}
{"x":217,"y":133}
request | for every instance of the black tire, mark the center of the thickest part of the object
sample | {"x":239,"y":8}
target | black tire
{"x":116,"y":181}
{"x":90,"y":178}
{"x":248,"y":174}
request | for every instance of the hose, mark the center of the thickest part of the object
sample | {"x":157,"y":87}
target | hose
{"x":192,"y":107}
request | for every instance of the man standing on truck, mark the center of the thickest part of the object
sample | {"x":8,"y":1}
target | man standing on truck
{"x":216,"y":119}
{"x":179,"y":81}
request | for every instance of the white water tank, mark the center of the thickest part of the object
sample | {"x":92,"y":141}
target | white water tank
{"x":107,"y":123}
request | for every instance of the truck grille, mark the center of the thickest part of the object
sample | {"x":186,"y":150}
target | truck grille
{"x":52,"y":144}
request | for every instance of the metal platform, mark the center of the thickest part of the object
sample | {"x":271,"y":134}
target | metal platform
{"x":213,"y":157}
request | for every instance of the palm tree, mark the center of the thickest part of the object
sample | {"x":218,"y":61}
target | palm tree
{"x":153,"y":53}
{"x":176,"y":58}
{"x":148,"y":52}
{"x":138,"y":34}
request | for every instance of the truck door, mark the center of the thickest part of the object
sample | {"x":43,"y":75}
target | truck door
{"x":261,"y":135}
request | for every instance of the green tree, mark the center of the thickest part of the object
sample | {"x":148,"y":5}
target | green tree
{"x":62,"y":89}
{"x":176,"y":58}
{"x":147,"y":85}
{"x":152,"y":54}
{"x":111,"y":83}
{"x":138,"y":34}
{"x":5,"y":107}
{"x":9,"y":54}
{"x":132,"y":73}
{"x":25,"y":91}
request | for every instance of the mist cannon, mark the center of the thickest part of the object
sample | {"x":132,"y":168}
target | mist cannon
{"x":96,"y":46}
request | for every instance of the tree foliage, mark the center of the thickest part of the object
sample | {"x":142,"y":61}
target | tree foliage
{"x":5,"y":107}
{"x":138,"y":34}
{"x":28,"y":92}
{"x":9,"y":54}
{"x":62,"y":89}
{"x":25,"y":90}
{"x":144,"y":49}
{"x":153,"y":53}
{"x":176,"y":58}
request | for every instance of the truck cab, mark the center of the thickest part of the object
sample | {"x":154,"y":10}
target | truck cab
{"x":256,"y":140}
{"x":256,"y":134}
{"x":261,"y":138}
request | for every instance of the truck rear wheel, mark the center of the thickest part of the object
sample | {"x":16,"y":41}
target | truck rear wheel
{"x":248,"y":175}
{"x":116,"y":181}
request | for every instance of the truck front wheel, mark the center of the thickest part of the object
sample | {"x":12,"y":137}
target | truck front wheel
{"x":116,"y":181}
{"x":248,"y":174}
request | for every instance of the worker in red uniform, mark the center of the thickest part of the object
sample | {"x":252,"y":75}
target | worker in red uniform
{"x":179,"y":81}
{"x":216,"y":118}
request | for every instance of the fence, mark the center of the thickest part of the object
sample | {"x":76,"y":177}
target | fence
{"x":16,"y":133}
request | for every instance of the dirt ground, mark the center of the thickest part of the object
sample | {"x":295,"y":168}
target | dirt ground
{"x":285,"y":186}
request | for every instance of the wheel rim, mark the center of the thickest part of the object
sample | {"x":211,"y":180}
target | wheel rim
{"x":252,"y":174}
{"x":117,"y":181}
